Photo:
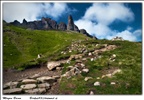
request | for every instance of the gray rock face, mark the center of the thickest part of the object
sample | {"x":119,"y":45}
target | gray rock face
{"x":83,"y":31}
{"x":70,"y":25}
{"x":76,"y":28}
{"x":12,"y":91}
{"x":16,"y":23}
{"x":62,"y":26}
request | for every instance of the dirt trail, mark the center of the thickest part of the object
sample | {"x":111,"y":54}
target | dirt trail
{"x":9,"y":75}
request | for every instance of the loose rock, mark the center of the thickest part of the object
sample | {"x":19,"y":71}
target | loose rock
{"x":87,"y":78}
{"x":85,"y":70}
{"x":113,"y":83}
{"x":28,"y":81}
{"x":28,"y":86}
{"x":97,"y":84}
{"x":91,"y":93}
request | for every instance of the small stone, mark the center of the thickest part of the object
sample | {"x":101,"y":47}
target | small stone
{"x":28,"y":86}
{"x":113,"y":83}
{"x":87,"y":78}
{"x":84,"y":59}
{"x":82,"y":65}
{"x":44,"y":85}
{"x":109,"y":75}
{"x":116,"y":71}
{"x":103,"y":76}
{"x":12,"y":91}
{"x":92,"y":59}
{"x":28,"y":81}
{"x":98,"y":78}
{"x":97,"y":84}
{"x":89,"y":53}
{"x":91,"y":93}
{"x":85,"y":70}
{"x":70,"y":51}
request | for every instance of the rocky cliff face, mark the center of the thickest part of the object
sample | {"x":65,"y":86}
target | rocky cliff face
{"x":49,"y":24}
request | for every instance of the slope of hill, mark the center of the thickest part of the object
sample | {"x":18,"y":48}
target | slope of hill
{"x":21,"y":45}
{"x":93,"y":67}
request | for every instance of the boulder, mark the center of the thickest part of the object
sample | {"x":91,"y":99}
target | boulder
{"x":53,"y":64}
{"x":28,"y":86}
{"x":12,"y":91}
{"x":70,"y":25}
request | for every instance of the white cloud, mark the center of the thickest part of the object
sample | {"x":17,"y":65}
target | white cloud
{"x":99,"y":16}
{"x":30,"y":11}
{"x":107,"y":13}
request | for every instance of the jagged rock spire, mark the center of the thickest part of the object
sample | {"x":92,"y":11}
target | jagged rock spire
{"x":70,"y":25}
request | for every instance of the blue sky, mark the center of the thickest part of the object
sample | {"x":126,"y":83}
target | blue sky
{"x":103,"y":20}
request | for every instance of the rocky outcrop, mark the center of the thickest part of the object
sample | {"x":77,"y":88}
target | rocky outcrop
{"x":62,"y":26}
{"x":16,"y":23}
{"x":70,"y":25}
{"x":83,"y":31}
{"x":49,"y":24}
{"x":117,"y":38}
{"x":76,"y":28}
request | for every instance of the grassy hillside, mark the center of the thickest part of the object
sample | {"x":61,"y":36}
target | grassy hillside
{"x":22,"y":46}
{"x":128,"y":59}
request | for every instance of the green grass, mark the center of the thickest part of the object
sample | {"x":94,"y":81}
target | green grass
{"x":128,"y":59}
{"x":22,"y":46}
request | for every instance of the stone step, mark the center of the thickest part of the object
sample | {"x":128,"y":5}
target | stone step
{"x":13,"y":91}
